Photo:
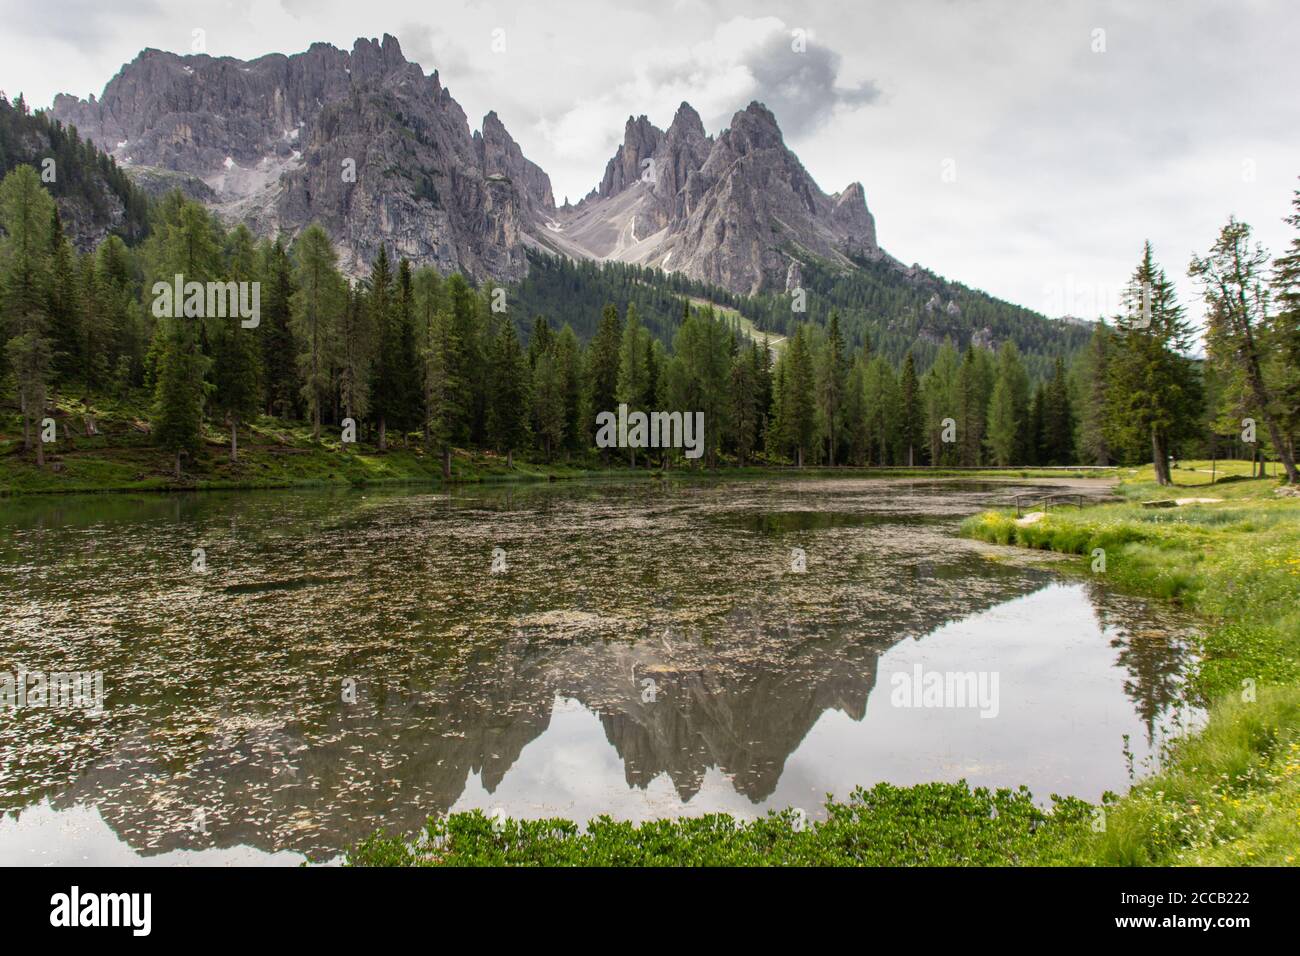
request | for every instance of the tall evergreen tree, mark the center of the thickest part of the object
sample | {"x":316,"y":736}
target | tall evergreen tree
{"x":26,"y":212}
{"x":604,"y":359}
{"x":1153,"y":393}
{"x":1231,"y":279}
{"x":1286,"y":333}
{"x":275,"y":333}
{"x":319,"y":298}
{"x":509,"y":399}
{"x":235,"y":358}
{"x":831,"y":374}
{"x":633,"y":381}
{"x":911,"y":413}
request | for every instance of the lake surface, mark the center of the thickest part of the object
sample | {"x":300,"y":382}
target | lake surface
{"x":348,"y":661}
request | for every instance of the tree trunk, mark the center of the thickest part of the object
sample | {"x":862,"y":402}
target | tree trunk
{"x":446,"y":463}
{"x":234,"y":439}
{"x":178,"y":464}
{"x":1160,"y":458}
{"x":510,"y":458}
{"x":40,"y":454}
{"x":383,"y":434}
{"x":633,"y":450}
{"x":315,"y":423}
{"x":799,"y":457}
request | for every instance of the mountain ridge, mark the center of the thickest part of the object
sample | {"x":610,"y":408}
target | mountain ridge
{"x":366,"y":143}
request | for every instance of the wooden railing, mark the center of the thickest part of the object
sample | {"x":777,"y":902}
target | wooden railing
{"x":1056,"y":498}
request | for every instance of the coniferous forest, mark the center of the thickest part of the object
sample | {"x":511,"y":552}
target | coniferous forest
{"x":407,"y":356}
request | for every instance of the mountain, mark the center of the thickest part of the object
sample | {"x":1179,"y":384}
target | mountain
{"x":739,"y":211}
{"x":363,"y":142}
{"x":734,"y":219}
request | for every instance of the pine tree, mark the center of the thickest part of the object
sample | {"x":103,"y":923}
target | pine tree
{"x":548,"y":403}
{"x":911,"y":413}
{"x":355,"y":345}
{"x":385,"y":389}
{"x":64,"y":312}
{"x":939,"y":387}
{"x":1004,"y":437}
{"x":743,"y":397}
{"x":970,"y":411}
{"x":235,"y":358}
{"x":279,"y":372}
{"x":573,"y":388}
{"x":831,"y":373}
{"x":1285,"y":334}
{"x":604,"y":359}
{"x":1236,"y":315}
{"x":799,"y":413}
{"x":178,"y":396}
{"x":1093,"y":373}
{"x":1058,"y":419}
{"x":881,"y":402}
{"x":1153,"y":394}
{"x":318,"y":300}
{"x":633,"y":384}
{"x":509,"y":399}
{"x":443,"y":387}
{"x":26,"y":212}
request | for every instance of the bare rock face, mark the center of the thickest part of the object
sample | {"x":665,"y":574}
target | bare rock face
{"x":363,"y":142}
{"x":366,"y":144}
{"x":733,"y":211}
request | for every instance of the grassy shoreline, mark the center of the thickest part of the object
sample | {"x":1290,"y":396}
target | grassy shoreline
{"x":1228,"y":795}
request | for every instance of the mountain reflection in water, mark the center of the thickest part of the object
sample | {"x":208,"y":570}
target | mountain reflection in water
{"x":349,"y":663}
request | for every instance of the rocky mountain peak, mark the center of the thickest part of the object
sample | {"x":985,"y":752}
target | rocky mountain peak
{"x":686,"y":122}
{"x":640,"y":140}
{"x":362,"y":141}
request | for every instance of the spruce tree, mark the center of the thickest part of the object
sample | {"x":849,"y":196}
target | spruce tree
{"x":604,"y":359}
{"x":178,"y":395}
{"x":26,"y":212}
{"x":235,"y":357}
{"x":509,"y":400}
{"x":831,"y":373}
{"x":278,"y":365}
{"x":1153,"y":393}
{"x":911,"y":413}
{"x":319,"y":298}
{"x":1285,"y":333}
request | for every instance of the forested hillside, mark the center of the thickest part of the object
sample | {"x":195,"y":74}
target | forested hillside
{"x":410,"y":358}
{"x":94,"y":195}
{"x":896,"y":312}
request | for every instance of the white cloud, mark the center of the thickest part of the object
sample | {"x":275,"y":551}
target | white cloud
{"x":1067,"y":160}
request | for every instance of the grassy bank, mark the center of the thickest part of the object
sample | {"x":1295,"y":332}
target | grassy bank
{"x":1231,"y":794}
{"x":120,"y":456}
{"x":1228,"y":795}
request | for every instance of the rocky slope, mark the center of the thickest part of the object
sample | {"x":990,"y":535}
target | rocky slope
{"x":738,"y":211}
{"x":377,"y":152}
{"x":362,"y":141}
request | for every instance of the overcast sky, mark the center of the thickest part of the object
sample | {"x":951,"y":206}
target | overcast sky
{"x":1025,"y":148}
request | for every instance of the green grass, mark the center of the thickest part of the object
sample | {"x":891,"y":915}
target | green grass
{"x":1230,"y":794}
{"x":274,"y":453}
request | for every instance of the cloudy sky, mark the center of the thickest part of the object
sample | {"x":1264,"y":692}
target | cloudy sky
{"x":1025,"y":148}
